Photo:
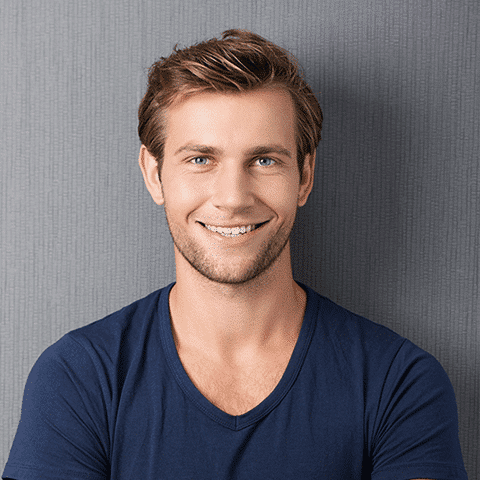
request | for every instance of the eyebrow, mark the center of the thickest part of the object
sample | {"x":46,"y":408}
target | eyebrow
{"x":259,"y":150}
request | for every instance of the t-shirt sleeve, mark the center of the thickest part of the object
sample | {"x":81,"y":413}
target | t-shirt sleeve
{"x":63,"y":431}
{"x":415,"y":424}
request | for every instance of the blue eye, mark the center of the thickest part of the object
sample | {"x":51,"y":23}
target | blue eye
{"x":199,"y":161}
{"x":265,"y":161}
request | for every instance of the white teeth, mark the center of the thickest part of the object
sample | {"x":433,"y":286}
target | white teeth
{"x":231,"y":232}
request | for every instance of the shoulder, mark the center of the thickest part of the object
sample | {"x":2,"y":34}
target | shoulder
{"x":131,"y":318}
{"x":373,"y":353}
{"x":73,"y":391}
{"x":95,"y":351}
{"x":119,"y":330}
{"x":343,"y":330}
{"x":407,"y":400}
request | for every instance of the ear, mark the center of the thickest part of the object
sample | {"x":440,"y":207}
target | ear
{"x":306,"y":183}
{"x":149,"y":166}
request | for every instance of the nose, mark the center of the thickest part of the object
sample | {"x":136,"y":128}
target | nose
{"x":233,"y":188}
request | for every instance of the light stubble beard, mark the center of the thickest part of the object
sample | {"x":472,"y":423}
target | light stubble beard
{"x":205,"y":264}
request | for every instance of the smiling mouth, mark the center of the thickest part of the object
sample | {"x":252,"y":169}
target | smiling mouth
{"x":234,"y":231}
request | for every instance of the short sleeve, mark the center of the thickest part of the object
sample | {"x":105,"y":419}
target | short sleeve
{"x":415,"y":428}
{"x":63,"y":430}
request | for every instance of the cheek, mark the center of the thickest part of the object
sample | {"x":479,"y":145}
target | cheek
{"x":282,"y":195}
{"x":181,"y":194}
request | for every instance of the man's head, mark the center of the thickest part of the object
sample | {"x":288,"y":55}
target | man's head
{"x":229,"y":131}
{"x":241,"y":61}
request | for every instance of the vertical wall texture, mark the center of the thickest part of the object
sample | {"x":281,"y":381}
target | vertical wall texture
{"x":391,"y":230}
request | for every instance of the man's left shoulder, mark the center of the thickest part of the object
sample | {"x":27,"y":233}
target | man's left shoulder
{"x":366,"y":343}
{"x":343,"y":325}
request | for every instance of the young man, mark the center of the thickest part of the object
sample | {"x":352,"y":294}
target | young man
{"x":235,"y":371}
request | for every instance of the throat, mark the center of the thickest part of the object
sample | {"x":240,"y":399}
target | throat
{"x":234,"y":323}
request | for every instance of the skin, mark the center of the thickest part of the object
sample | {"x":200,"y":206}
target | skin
{"x":235,"y":298}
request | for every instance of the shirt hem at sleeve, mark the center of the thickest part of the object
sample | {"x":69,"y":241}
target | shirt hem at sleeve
{"x":431,"y":471}
{"x":22,"y":472}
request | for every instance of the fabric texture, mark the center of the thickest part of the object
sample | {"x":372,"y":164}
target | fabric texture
{"x":112,"y":400}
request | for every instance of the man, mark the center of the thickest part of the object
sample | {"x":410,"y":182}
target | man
{"x":235,"y":370}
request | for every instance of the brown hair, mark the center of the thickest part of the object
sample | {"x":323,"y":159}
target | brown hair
{"x":239,"y":62}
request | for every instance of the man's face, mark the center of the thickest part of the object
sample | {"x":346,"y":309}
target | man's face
{"x":230,"y":182}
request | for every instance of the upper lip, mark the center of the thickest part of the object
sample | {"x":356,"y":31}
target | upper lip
{"x":233,"y":225}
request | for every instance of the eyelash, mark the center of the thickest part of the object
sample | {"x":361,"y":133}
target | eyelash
{"x":259,"y":158}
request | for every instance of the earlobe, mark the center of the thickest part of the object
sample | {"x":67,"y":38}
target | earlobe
{"x":149,"y":166}
{"x":306,"y":183}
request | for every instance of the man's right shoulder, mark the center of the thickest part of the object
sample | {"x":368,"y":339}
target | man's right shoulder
{"x":128,"y":320}
{"x":110,"y":339}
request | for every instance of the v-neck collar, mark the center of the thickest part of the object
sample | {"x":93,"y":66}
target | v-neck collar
{"x":238,"y":422}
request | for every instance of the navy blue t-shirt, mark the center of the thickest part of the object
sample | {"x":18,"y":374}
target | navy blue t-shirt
{"x":357,"y":401}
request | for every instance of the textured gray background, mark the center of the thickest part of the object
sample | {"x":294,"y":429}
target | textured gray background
{"x":391,"y":230}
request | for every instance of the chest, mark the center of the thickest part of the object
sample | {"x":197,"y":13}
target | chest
{"x":308,"y":434}
{"x":235,"y":390}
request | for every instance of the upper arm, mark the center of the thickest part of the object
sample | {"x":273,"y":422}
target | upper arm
{"x":61,"y":433}
{"x":416,"y":424}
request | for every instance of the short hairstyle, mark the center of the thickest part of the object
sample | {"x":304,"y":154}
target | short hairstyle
{"x":241,"y":61}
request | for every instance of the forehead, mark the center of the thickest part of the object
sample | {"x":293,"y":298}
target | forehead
{"x":231,"y":120}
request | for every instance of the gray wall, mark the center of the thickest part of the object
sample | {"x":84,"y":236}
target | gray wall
{"x":391,"y":230}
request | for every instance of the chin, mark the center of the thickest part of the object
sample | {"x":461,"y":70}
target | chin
{"x":231,"y":274}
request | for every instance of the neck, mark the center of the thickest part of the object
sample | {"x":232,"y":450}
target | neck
{"x":224,"y":319}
